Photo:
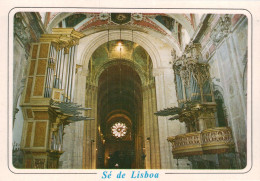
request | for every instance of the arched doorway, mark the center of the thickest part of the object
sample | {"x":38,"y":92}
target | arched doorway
{"x":121,"y":90}
{"x":119,"y":117}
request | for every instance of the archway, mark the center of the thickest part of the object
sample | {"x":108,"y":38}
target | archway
{"x":119,"y":117}
{"x":119,"y":78}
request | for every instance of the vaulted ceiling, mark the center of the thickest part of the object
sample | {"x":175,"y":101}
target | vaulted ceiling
{"x":119,"y":97}
{"x":172,"y":26}
{"x":121,"y":50}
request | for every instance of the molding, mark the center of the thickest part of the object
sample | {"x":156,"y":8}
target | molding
{"x":221,"y":30}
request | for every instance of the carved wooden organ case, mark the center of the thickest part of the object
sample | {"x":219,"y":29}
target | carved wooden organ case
{"x":47,"y":102}
{"x":196,"y":108}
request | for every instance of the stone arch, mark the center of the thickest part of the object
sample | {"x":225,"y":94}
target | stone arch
{"x":135,"y":66}
{"x":54,"y":21}
{"x":178,"y":17}
{"x":221,"y":106}
{"x":91,"y":43}
{"x":168,"y":38}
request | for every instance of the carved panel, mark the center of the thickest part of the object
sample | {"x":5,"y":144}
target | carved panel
{"x":56,"y":94}
{"x":209,"y":141}
{"x":39,"y":134}
{"x":41,"y":115}
{"x":220,"y":135}
{"x":39,"y":163}
{"x":34,"y":51}
{"x":28,"y":90}
{"x":221,"y":30}
{"x":38,"y":86}
{"x":28,"y":134}
{"x":41,"y":68}
{"x":32,"y":67}
{"x":120,"y":18}
{"x":44,"y":50}
{"x":186,"y":142}
{"x":29,"y":113}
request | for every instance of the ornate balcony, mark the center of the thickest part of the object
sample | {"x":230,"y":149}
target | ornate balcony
{"x":209,"y":141}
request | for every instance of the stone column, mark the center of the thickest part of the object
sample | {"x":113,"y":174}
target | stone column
{"x":232,"y":96}
{"x":146,"y":129}
{"x":166,"y":97}
{"x":73,"y":138}
{"x":150,"y":122}
{"x":156,"y":130}
{"x":151,"y":133}
{"x":90,"y":128}
{"x":94,"y":128}
{"x":238,"y":73}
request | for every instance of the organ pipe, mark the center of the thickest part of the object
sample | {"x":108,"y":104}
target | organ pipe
{"x":60,"y":72}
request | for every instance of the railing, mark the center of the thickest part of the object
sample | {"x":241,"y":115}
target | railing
{"x":209,"y":141}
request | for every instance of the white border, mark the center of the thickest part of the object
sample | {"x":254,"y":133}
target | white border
{"x":253,"y":8}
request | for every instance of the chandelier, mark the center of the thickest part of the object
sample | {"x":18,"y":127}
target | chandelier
{"x":119,"y":129}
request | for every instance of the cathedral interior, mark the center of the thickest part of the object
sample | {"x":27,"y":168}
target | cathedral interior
{"x":95,"y":90}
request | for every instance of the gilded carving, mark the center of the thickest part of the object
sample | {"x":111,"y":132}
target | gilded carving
{"x":192,"y":80}
{"x":212,"y":136}
{"x":221,"y":30}
{"x":38,"y":149}
{"x":57,"y":95}
{"x":185,"y":76}
{"x":62,"y":38}
{"x":214,"y":140}
{"x":39,"y":163}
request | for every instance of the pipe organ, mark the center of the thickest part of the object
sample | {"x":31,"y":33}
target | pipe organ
{"x":196,"y":108}
{"x":47,"y":102}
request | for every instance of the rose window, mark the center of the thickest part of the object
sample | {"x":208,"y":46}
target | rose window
{"x":119,"y":129}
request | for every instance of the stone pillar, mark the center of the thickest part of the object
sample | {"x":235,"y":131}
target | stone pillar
{"x":90,"y":129}
{"x":146,"y":129}
{"x":232,"y":96}
{"x":165,"y":148}
{"x":166,"y":97}
{"x":73,"y":137}
{"x":155,"y":128}
{"x":151,"y":133}
{"x":94,"y":128}
{"x":150,"y":122}
{"x":238,"y":73}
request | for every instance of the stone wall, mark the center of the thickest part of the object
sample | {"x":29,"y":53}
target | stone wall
{"x":225,"y":49}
